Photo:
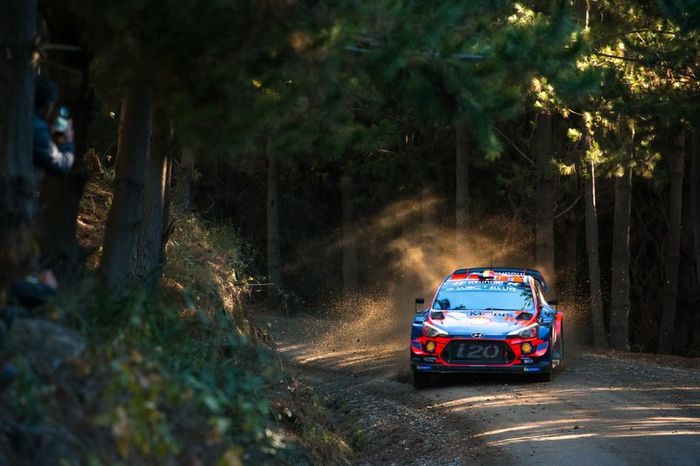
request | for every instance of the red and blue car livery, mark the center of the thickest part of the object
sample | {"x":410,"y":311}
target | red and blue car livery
{"x":488,"y":320}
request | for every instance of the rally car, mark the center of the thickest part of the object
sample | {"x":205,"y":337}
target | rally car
{"x":488,"y":320}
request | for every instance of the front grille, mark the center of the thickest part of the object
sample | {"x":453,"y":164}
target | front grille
{"x":477,"y":352}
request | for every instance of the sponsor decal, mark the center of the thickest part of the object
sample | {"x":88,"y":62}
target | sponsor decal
{"x":457,"y":282}
{"x":504,"y":287}
{"x":424,"y":367}
{"x":430,"y":359}
{"x":478,"y":351}
{"x":461,"y":314}
{"x":479,"y":321}
{"x":527,"y":361}
{"x":531,"y":369}
{"x":496,"y":287}
{"x":489,"y":313}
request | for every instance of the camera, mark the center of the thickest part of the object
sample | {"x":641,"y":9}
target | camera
{"x":62,"y":122}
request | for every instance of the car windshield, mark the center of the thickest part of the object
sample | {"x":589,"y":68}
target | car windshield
{"x":505,"y":296}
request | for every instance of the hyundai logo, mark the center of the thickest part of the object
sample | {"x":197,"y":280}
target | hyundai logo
{"x":478,"y":335}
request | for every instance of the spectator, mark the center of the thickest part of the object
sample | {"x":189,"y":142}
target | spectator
{"x":48,"y":156}
{"x":52,"y":152}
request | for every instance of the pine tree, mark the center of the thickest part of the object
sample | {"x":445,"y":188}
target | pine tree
{"x":17,"y":180}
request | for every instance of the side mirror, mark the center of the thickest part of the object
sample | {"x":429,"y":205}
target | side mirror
{"x":419,"y":301}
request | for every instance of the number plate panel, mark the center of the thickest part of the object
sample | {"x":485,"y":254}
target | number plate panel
{"x":477,"y":352}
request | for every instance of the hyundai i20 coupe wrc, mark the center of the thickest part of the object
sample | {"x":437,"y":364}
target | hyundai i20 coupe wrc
{"x":487,"y":320}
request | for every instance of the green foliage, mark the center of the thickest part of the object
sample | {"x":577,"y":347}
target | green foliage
{"x":27,"y":395}
{"x":449,"y":62}
{"x":178,"y":367}
{"x":684,"y":13}
{"x":643,"y":55}
{"x":165,"y":368}
{"x":137,"y":419}
{"x":322,"y":77}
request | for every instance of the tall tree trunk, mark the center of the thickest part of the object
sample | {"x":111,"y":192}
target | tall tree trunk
{"x":349,"y":245}
{"x":462,"y":184}
{"x":167,"y":200}
{"x":17,"y":180}
{"x":544,"y":196}
{"x":695,"y":199}
{"x":150,"y":230}
{"x":568,"y":278}
{"x":274,"y":250}
{"x":672,"y":250}
{"x":583,"y":10}
{"x":428,"y":221}
{"x":118,"y":260}
{"x":428,"y":201}
{"x":687,"y":281}
{"x":620,"y":281}
{"x":183,"y":180}
{"x":694,"y":344}
{"x":592,"y":248}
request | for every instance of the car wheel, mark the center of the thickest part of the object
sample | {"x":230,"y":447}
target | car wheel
{"x":555,"y":354}
{"x":542,"y":377}
{"x":558,"y":351}
{"x":422,"y":379}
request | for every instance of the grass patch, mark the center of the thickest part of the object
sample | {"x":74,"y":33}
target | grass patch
{"x":324,"y":427}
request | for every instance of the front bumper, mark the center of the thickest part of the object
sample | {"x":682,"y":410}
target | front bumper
{"x":534,"y":368}
{"x":538,"y":360}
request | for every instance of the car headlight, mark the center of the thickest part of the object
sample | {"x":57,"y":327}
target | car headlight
{"x":432,"y":332}
{"x":527,"y":332}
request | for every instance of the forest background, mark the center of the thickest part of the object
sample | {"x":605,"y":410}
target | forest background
{"x":340,"y":147}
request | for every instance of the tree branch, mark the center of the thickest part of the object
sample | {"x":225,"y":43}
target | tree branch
{"x":454,"y":56}
{"x":568,"y":208}
{"x":532,"y":162}
{"x":607,"y":55}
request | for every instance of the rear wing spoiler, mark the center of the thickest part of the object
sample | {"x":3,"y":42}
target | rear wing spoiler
{"x":536,"y":274}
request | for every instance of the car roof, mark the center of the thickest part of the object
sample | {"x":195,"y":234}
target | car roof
{"x":490,"y":272}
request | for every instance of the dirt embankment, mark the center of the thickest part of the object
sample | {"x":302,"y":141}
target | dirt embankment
{"x":603,"y":408}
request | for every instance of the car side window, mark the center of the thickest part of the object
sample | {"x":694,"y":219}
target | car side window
{"x":540,"y":295}
{"x":544,"y":301}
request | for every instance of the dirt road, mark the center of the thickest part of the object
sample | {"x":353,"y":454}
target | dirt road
{"x":601,"y":409}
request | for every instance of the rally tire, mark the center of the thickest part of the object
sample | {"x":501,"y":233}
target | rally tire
{"x":558,"y":350}
{"x":542,"y":377}
{"x":422,"y":379}
{"x":553,"y":354}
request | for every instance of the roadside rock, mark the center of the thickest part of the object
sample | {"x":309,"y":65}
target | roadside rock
{"x":46,"y":345}
{"x":43,"y":446}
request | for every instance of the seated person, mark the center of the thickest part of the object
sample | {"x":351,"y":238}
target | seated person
{"x":56,"y":159}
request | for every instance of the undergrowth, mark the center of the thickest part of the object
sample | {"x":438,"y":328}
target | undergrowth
{"x":172,"y":375}
{"x":326,"y":430}
{"x":167,"y":371}
{"x":184,"y":356}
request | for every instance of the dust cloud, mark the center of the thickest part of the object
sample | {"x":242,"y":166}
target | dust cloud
{"x":404,"y":253}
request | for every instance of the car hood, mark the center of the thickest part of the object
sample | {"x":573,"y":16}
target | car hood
{"x":487,"y":322}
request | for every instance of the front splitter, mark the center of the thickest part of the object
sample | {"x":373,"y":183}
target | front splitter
{"x":538,"y":367}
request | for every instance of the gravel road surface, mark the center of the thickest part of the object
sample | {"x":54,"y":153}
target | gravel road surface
{"x":601,"y":409}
